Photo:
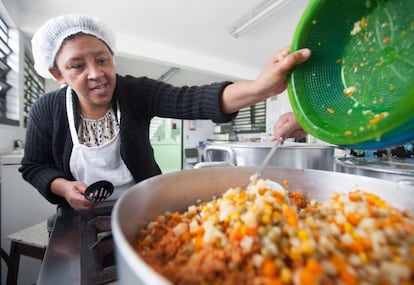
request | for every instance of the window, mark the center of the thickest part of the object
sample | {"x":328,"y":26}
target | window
{"x":34,"y":86}
{"x":251,"y":119}
{"x":8,"y":107}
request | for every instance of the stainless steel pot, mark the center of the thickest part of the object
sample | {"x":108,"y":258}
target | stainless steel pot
{"x":289,"y":155}
{"x":176,"y":191}
{"x":398,"y":170}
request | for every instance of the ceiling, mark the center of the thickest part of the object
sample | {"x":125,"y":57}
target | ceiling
{"x":193,"y":35}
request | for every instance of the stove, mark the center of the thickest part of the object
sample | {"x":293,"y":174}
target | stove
{"x":97,"y":248}
{"x":80,"y":249}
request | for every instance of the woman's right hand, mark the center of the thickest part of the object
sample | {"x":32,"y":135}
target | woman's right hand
{"x":287,"y":126}
{"x":73,"y":192}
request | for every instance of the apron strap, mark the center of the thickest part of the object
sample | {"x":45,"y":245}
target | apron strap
{"x":71,"y":116}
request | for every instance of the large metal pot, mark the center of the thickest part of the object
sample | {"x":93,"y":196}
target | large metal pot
{"x":289,"y":155}
{"x":176,"y":191}
{"x":398,"y":170}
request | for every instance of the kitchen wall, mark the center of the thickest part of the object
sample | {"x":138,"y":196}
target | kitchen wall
{"x":8,"y":136}
{"x":10,"y":133}
{"x":203,"y":131}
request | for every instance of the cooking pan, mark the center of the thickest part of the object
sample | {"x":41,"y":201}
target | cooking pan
{"x":289,"y":155}
{"x":176,"y":191}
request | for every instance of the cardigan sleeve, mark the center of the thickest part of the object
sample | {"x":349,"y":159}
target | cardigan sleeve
{"x":39,"y":166}
{"x":161,"y":99}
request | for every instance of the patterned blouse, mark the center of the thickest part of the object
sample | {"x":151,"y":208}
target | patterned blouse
{"x":93,"y":133}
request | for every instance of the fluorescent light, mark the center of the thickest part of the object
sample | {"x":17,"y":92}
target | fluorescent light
{"x":256,"y":15}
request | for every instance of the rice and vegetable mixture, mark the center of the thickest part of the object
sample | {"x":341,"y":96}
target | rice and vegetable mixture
{"x":254,"y":237}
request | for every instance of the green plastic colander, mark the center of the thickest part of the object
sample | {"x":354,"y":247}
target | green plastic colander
{"x":357,"y":89}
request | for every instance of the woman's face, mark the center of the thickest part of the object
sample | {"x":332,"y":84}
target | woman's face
{"x":86,"y":64}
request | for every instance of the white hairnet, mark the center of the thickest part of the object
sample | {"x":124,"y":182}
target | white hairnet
{"x":47,"y":41}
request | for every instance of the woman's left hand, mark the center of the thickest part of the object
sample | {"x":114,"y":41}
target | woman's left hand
{"x":272,"y":79}
{"x":270,"y":82}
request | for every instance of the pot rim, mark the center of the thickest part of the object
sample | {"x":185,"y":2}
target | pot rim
{"x":268,"y":144}
{"x":392,"y":168}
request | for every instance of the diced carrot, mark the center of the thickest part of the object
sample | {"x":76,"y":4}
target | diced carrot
{"x":337,"y":261}
{"x":186,"y":236}
{"x":348,"y":133}
{"x":237,"y":234}
{"x":408,"y":228}
{"x":279,"y":199}
{"x":347,"y":277}
{"x":371,"y":198}
{"x":274,"y":281}
{"x":198,"y":243}
{"x":176,"y":216}
{"x":376,"y":119}
{"x":314,"y":266}
{"x":306,"y":277}
{"x":311,"y":273}
{"x":356,"y":247}
{"x":355,"y":196}
{"x":268,"y":267}
{"x":341,"y":227}
{"x":200,"y":231}
{"x":251,"y":231}
{"x":366,"y":244}
{"x":354,"y":219}
{"x":340,"y":265}
{"x":291,"y":217}
{"x":363,"y":22}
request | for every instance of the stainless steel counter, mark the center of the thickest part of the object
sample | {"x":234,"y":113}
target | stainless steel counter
{"x":62,"y":262}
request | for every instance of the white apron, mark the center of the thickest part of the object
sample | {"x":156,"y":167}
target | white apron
{"x":90,"y":164}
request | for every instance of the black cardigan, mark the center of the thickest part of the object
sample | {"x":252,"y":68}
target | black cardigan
{"x":49,"y":144}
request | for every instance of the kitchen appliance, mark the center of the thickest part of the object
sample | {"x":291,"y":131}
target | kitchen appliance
{"x":356,"y":90}
{"x":81,"y":249}
{"x":289,"y":155}
{"x":224,"y":132}
{"x":392,"y":169}
{"x":21,"y":207}
{"x":176,"y":191}
{"x":97,"y":250}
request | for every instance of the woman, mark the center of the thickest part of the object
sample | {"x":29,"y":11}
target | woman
{"x":97,"y":126}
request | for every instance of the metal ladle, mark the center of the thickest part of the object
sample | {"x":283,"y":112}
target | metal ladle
{"x":269,"y":183}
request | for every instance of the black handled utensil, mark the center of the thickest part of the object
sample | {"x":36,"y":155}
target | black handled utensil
{"x":99,"y":191}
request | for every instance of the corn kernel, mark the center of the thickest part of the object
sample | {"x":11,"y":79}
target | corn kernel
{"x":307,"y":247}
{"x":363,"y":257}
{"x":303,"y":234}
{"x":285,"y":275}
{"x":295,"y":253}
{"x":266,"y":219}
{"x":348,"y":227}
